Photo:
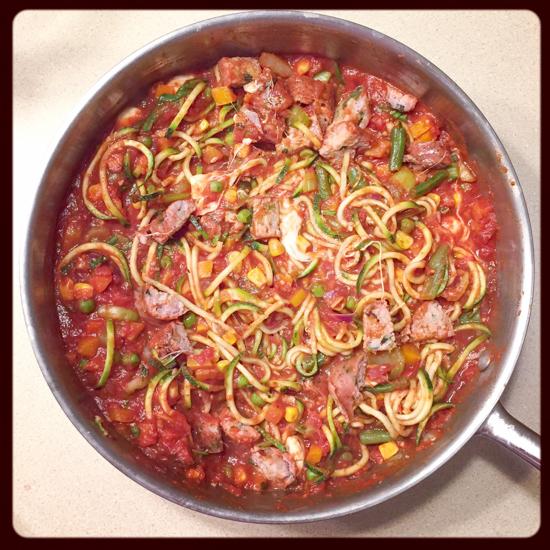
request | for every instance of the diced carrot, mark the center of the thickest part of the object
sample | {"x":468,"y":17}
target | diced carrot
{"x":298,"y":297}
{"x":83,"y":291}
{"x":87,"y":346}
{"x":101,"y":278}
{"x":130,"y":330}
{"x":94,"y":192}
{"x":205,"y":268}
{"x":164,"y":89}
{"x":95,"y":326}
{"x":223,"y":95}
{"x":314,"y":454}
{"x":196,"y":473}
{"x":66,"y":289}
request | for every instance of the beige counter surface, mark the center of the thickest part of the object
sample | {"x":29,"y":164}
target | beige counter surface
{"x":62,"y":487}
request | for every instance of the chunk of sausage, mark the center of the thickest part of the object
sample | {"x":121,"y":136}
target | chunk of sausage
{"x":254,"y":126}
{"x":321,"y":95}
{"x":207,"y":434}
{"x":235,"y":430}
{"x":170,"y":221}
{"x":378,"y":327}
{"x":272,"y":98}
{"x":277,"y":467}
{"x":265,"y":219}
{"x":161,"y":305}
{"x":296,"y":140}
{"x":427,"y":154}
{"x":237,"y":71}
{"x":430,"y":322}
{"x":400,"y":100}
{"x":352,"y":114}
{"x":345,"y":379}
{"x":169,"y":340}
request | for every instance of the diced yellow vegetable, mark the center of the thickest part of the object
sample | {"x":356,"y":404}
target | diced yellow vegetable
{"x":136,"y":205}
{"x":291,"y":414}
{"x":421,"y":130}
{"x":202,"y":327}
{"x":205,"y":268}
{"x":410,"y":353}
{"x":242,"y":150}
{"x":83,"y":291}
{"x":232,"y":256}
{"x":314,"y":454}
{"x":223,"y":95}
{"x":298,"y":297}
{"x":275,"y":247}
{"x":230,"y":337}
{"x":222,"y":364}
{"x":204,"y":125}
{"x":257,"y":277}
{"x":303,"y":66}
{"x":387,"y":450}
{"x":302,"y":243}
{"x":231,"y":195}
{"x":403,"y":240}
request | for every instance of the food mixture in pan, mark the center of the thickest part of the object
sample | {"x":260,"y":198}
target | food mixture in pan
{"x":276,"y":274}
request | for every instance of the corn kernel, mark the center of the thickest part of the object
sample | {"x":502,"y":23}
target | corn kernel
{"x":410,"y":353}
{"x":232,"y":256}
{"x":302,"y":243}
{"x":223,"y":95}
{"x":257,"y":277}
{"x":230,"y":337}
{"x":403,"y":240}
{"x":222,"y":364}
{"x":205,"y":268}
{"x":231,"y":195}
{"x":314,"y":454}
{"x":275,"y":247}
{"x":387,"y":450}
{"x":303,"y":66}
{"x":83,"y":291}
{"x":204,"y":125}
{"x":298,"y":297}
{"x":202,"y":327}
{"x":291,"y":414}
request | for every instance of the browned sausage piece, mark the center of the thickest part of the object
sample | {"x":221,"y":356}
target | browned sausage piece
{"x":170,"y":221}
{"x":161,"y":305}
{"x":265,"y":218}
{"x":277,"y":467}
{"x":430,"y":322}
{"x":378,"y":327}
{"x":344,"y":381}
{"x":170,"y":339}
{"x":237,"y":71}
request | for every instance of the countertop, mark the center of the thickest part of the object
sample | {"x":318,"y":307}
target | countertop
{"x":62,"y":487}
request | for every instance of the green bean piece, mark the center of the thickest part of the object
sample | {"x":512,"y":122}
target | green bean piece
{"x":323,"y":182}
{"x":431,"y":183}
{"x":374,"y":437}
{"x":398,"y":138}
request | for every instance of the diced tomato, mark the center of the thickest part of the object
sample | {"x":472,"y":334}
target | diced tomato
{"x":274,"y":413}
{"x":94,"y":192}
{"x":196,"y":473}
{"x":378,"y":122}
{"x":130,"y":330}
{"x":378,"y":373}
{"x":375,"y":455}
{"x":101,"y":278}
{"x":205,"y":357}
{"x":483,"y":222}
{"x":87,"y":346}
{"x":212,"y":373}
{"x":95,"y":326}
{"x":148,"y":433}
{"x":163,"y":89}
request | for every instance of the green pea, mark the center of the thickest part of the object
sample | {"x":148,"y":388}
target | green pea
{"x":190,"y":320}
{"x":318,"y":290}
{"x":216,"y":186}
{"x":244,"y":215}
{"x":130,"y":359}
{"x":86,"y":306}
{"x":407,"y":225}
{"x":351,"y":303}
{"x":135,"y":431}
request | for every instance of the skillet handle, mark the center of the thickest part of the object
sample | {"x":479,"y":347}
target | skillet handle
{"x":503,"y":428}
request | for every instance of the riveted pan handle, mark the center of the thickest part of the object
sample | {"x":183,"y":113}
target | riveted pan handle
{"x":503,"y":428}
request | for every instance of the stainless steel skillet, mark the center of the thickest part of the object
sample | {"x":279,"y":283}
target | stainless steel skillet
{"x":247,"y":34}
